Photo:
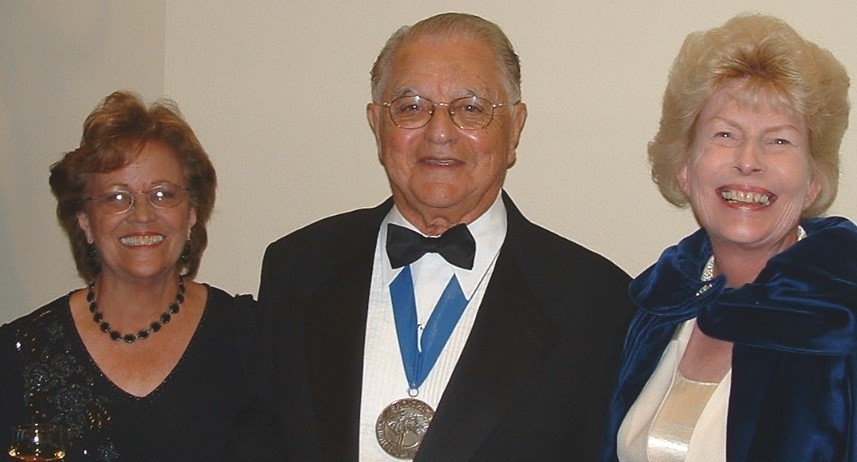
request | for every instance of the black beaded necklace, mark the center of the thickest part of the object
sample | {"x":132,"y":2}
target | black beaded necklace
{"x":143,"y":334}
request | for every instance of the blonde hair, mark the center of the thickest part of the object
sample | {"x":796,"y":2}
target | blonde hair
{"x":778,"y":67}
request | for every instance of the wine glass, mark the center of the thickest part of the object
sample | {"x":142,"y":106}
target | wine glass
{"x":39,"y":442}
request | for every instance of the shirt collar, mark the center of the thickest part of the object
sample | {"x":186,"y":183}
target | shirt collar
{"x":489,"y":231}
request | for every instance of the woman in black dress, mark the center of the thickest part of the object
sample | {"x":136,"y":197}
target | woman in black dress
{"x":143,"y":363}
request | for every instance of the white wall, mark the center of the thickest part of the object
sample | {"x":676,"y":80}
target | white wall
{"x":57,"y":60}
{"x":277,"y":92}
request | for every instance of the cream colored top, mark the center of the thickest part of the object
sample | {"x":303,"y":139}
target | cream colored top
{"x":676,"y":419}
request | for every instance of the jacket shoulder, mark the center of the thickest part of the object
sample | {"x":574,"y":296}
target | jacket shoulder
{"x":329,"y":234}
{"x":555,"y":258}
{"x":544,"y":252}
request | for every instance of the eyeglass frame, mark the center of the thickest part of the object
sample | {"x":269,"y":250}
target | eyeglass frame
{"x":102,"y":199}
{"x":449,"y":112}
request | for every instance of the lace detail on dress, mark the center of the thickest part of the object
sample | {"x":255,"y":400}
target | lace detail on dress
{"x":58,"y":388}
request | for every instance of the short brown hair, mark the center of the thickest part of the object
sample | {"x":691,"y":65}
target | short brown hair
{"x":113,"y":135}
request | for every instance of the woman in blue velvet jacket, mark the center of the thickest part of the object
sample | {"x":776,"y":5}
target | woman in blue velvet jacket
{"x":743,"y":347}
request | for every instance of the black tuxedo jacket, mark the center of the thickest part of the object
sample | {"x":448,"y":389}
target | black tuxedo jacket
{"x":532,"y":384}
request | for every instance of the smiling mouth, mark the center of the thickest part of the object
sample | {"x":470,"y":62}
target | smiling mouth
{"x":134,"y":241}
{"x":744,"y":197}
{"x":442,"y":162}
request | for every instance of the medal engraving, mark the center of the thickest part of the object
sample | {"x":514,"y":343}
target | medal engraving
{"x":401,"y":426}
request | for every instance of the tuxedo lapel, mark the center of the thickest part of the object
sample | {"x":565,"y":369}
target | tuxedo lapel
{"x":510,"y":338}
{"x":335,"y":327}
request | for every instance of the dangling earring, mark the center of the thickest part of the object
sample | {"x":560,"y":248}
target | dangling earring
{"x":93,"y":259}
{"x":185,"y":257}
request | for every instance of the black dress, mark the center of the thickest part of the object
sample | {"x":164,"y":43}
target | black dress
{"x":47,"y":375}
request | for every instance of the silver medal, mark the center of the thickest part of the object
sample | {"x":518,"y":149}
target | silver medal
{"x":401,"y":426}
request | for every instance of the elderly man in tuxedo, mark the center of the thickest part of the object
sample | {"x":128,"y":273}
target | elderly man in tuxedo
{"x":442,"y":325}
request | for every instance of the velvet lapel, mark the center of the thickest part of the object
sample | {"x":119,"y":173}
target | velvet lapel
{"x":510,"y":338}
{"x":335,"y":329}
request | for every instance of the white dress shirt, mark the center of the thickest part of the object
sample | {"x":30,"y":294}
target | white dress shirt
{"x":384,"y":378}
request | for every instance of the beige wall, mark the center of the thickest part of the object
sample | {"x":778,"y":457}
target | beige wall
{"x":277,"y":91}
{"x":57,"y":60}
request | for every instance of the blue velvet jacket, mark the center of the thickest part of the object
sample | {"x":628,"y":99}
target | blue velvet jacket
{"x":794,"y":376}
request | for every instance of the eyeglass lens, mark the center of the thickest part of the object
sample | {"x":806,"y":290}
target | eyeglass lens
{"x":469,"y":113}
{"x":162,"y":197}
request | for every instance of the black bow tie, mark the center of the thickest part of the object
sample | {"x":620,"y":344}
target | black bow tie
{"x":456,"y":246}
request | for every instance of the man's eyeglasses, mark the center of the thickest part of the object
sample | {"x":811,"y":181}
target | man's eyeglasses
{"x":467,"y":113}
{"x":164,"y":196}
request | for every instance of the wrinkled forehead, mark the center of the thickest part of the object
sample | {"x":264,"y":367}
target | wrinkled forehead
{"x":452,"y":65}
